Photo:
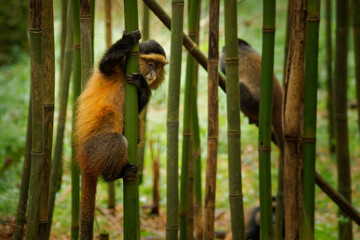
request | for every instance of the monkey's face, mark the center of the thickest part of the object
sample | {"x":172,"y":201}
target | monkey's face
{"x":152,"y":68}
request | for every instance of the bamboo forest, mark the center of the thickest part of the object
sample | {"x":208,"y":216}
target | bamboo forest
{"x":180,"y":119}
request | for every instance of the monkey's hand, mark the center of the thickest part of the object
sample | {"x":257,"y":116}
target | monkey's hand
{"x":142,"y":87}
{"x":132,"y":37}
{"x":116,"y":54}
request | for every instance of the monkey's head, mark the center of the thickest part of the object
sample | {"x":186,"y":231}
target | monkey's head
{"x":151,"y":62}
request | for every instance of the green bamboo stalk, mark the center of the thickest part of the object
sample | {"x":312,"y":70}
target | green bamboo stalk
{"x":213,"y":122}
{"x":86,"y":41}
{"x":64,"y":6}
{"x":75,"y":172}
{"x":24,"y":187}
{"x":92,"y":14}
{"x":294,"y":85}
{"x":233,"y":115}
{"x":131,"y":201}
{"x":172,"y":193}
{"x":49,"y":89}
{"x":111,"y":185}
{"x":141,"y":148}
{"x":265,"y":117}
{"x":356,"y":35}
{"x":187,"y":136}
{"x":37,"y":100}
{"x":340,"y":113}
{"x":329,"y":77}
{"x":190,"y":197}
{"x":310,"y":103}
{"x":197,"y":166}
{"x":63,"y":96}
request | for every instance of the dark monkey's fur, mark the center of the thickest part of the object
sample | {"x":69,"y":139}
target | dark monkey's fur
{"x":252,"y":222}
{"x":249,"y":81}
{"x":101,"y":147}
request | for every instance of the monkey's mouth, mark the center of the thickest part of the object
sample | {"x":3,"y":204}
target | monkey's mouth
{"x":151,"y":77}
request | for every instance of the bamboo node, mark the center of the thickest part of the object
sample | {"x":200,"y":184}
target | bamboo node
{"x":130,"y":178}
{"x":309,"y":140}
{"x":192,"y":34}
{"x":268,"y":30}
{"x":74,"y":228}
{"x":134,"y":53}
{"x":172,"y":123}
{"x":37,"y":153}
{"x":233,"y":133}
{"x":49,"y":105}
{"x":213,"y":138}
{"x":35,"y":30}
{"x":193,"y":48}
{"x":85,"y":17}
{"x":238,"y":195}
{"x":313,"y":19}
{"x":291,"y":138}
{"x":172,"y":227}
{"x":232,"y":61}
{"x":77,"y":46}
{"x":264,"y":149}
{"x":340,"y":117}
{"x":182,"y":214}
{"x":187,"y":133}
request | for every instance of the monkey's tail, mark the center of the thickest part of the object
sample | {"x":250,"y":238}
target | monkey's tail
{"x":87,"y":206}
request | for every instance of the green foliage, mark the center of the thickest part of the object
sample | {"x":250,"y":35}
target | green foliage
{"x":13,"y":37}
{"x":14,"y":101}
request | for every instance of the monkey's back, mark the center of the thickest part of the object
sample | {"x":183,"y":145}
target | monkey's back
{"x":100,"y":108}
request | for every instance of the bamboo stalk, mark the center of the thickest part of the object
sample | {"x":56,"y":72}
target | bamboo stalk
{"x":131,"y":201}
{"x":233,"y":116}
{"x":340,"y":112}
{"x":294,"y":86}
{"x":141,"y":148}
{"x":24,"y":187}
{"x":111,"y":185}
{"x":190,"y":197}
{"x":356,"y":36}
{"x":92,"y":14}
{"x":37,"y":106}
{"x":310,"y":104}
{"x":265,"y":117}
{"x":172,"y":193}
{"x":49,"y":88}
{"x":55,"y":176}
{"x":86,"y":41}
{"x":187,"y":133}
{"x":213,"y":122}
{"x":338,"y":198}
{"x":75,"y":172}
{"x":64,"y":7}
{"x":329,"y":77}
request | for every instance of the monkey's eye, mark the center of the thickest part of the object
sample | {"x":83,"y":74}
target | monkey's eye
{"x":151,"y":65}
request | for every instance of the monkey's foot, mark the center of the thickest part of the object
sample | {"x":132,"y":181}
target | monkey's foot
{"x":133,"y":36}
{"x":129,"y":172}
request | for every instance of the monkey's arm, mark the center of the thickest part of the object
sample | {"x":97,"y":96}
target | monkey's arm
{"x":142,"y":88}
{"x":116,"y":54}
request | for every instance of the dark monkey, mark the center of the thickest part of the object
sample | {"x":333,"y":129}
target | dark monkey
{"x":100,"y":144}
{"x":249,"y":81}
{"x":252,"y":222}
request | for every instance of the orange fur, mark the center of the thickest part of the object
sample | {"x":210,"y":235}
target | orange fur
{"x":102,"y":99}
